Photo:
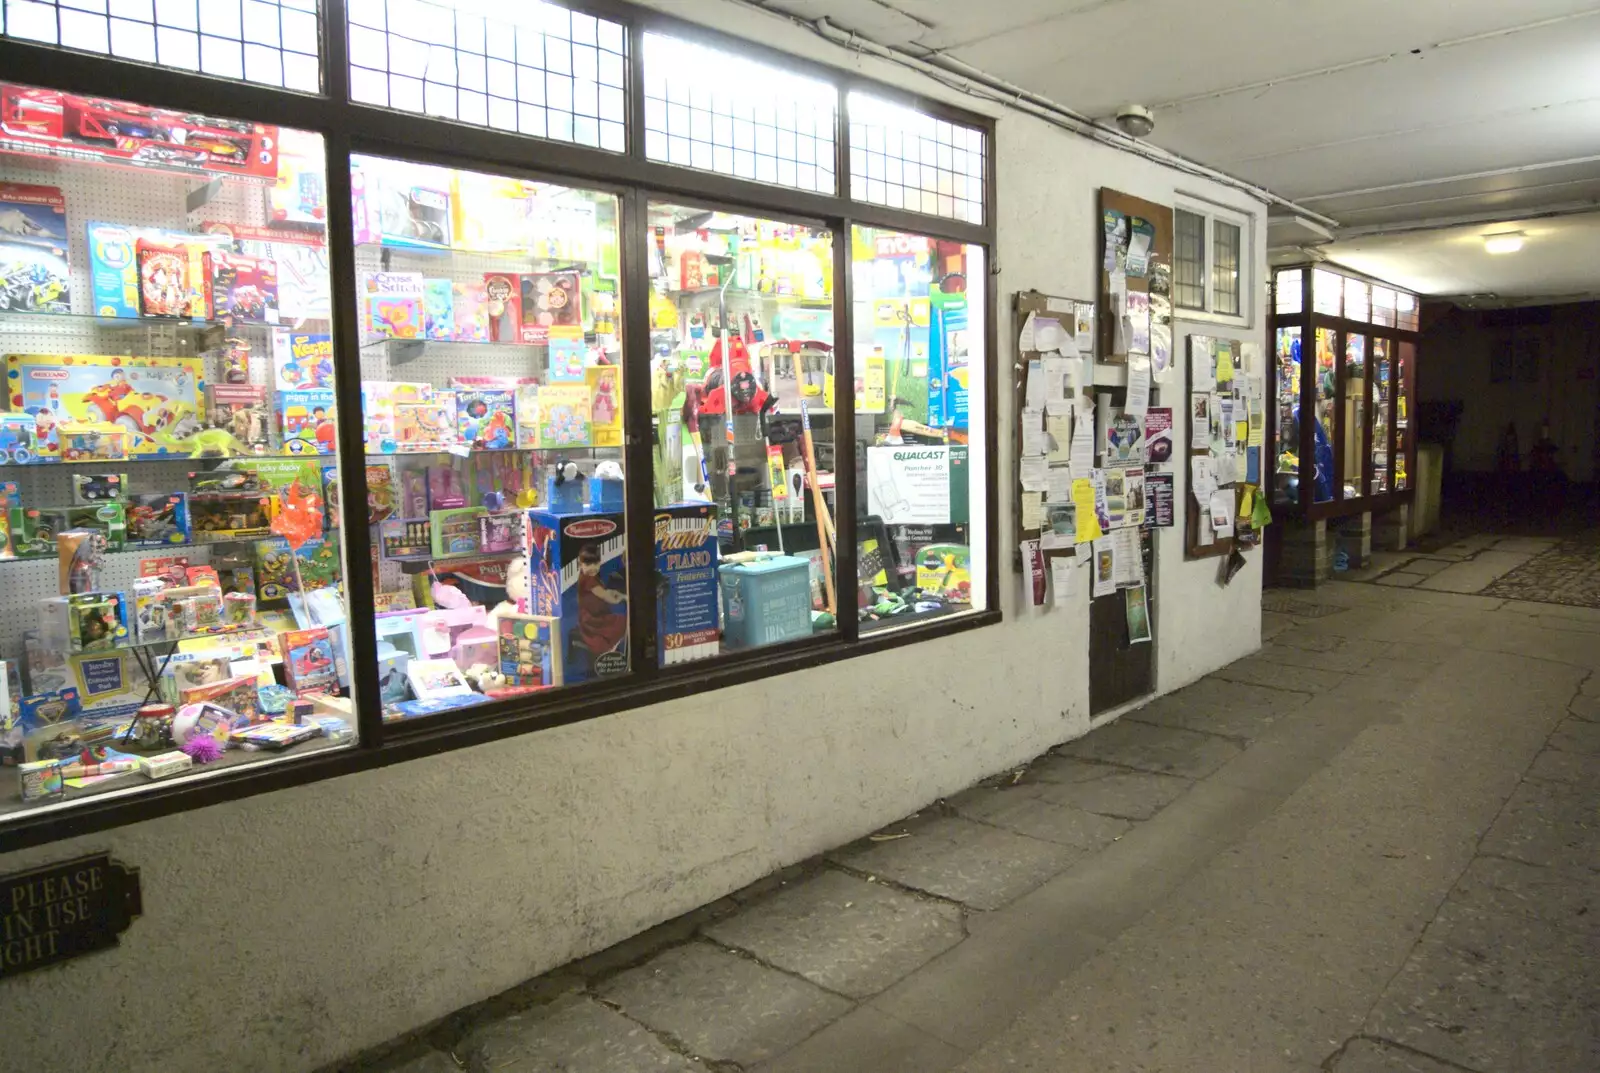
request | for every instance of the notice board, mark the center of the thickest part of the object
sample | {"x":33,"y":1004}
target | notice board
{"x":1135,"y":276}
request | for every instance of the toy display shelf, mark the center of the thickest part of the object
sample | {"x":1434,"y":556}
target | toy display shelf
{"x":428,"y":258}
{"x":461,"y":450}
{"x":157,"y":334}
{"x":421,"y":359}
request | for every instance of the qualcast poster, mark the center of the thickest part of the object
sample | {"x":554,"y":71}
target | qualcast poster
{"x":909,"y":484}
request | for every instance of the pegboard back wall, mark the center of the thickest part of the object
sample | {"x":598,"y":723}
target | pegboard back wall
{"x":136,"y":198}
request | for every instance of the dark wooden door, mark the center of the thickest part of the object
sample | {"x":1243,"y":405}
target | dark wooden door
{"x":1120,"y":672}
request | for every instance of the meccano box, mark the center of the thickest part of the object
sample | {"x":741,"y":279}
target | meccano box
{"x":686,"y":569}
{"x":578,"y":564}
{"x":766,"y":601}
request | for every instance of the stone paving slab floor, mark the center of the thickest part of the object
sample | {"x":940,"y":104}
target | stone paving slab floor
{"x":1392,"y":867}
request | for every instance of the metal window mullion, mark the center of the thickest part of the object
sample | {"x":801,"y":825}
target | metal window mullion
{"x":335,"y":66}
{"x":845,"y":491}
{"x":356,"y":535}
{"x":638,"y":434}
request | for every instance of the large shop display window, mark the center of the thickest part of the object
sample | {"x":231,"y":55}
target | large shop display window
{"x":741,"y":319}
{"x":918,"y":373}
{"x":170,"y":556}
{"x":491,"y":390}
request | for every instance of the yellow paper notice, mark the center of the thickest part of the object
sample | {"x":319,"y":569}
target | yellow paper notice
{"x":1083,"y":504}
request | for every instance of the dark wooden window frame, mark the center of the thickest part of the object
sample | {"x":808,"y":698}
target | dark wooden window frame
{"x":1309,"y":321}
{"x":349,"y":128}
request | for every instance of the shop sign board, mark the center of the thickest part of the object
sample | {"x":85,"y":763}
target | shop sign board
{"x":64,"y":910}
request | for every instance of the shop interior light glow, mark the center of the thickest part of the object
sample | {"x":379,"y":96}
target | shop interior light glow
{"x":1506,"y":242}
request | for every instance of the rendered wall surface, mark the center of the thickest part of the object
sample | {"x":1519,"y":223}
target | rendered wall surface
{"x":291,"y":929}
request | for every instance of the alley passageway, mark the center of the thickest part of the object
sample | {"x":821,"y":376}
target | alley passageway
{"x":1372,"y":847}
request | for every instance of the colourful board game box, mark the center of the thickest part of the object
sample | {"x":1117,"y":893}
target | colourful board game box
{"x":174,"y":279}
{"x":486,"y":418}
{"x":438,"y":309}
{"x":308,"y":660}
{"x":306,"y":418}
{"x":302,"y":360}
{"x":157,"y":400}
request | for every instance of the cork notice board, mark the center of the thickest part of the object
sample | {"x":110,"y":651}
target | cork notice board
{"x":1123,"y":220}
{"x":1224,"y":377}
{"x":1077,"y":316}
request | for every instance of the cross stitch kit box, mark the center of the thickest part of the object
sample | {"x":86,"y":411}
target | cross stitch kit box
{"x":391,"y":305}
{"x":766,"y":601}
{"x":156,"y":400}
{"x":686,"y":569}
{"x":578,"y":567}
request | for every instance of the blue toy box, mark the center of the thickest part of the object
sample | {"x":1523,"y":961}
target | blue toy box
{"x":686,"y":572}
{"x":766,"y":602}
{"x":578,"y":568}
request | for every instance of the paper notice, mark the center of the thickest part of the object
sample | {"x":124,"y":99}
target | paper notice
{"x":1060,"y":486}
{"x":1085,"y":329}
{"x":1060,"y":382}
{"x":1119,"y":313}
{"x":1138,"y":322}
{"x":1034,"y":442}
{"x":1138,"y":385}
{"x":1088,"y":522}
{"x":1222,"y":512}
{"x":1130,"y":564}
{"x":1138,"y":253}
{"x":1202,"y":478}
{"x":1105,"y":567}
{"x":1061,"y":571}
{"x":1102,"y":510}
{"x":1033,"y":388}
{"x":1199,"y":421}
{"x":1058,"y":438}
{"x":1136,"y":602}
{"x":1048,"y":334}
{"x":1025,"y":338}
{"x":1033,"y":571}
{"x":1083,"y":438}
{"x":1224,"y":362}
{"x":1035,"y":475}
{"x":1202,"y":364}
{"x":1158,"y":499}
{"x":1032,"y":508}
{"x":1160,"y":351}
{"x":1258,"y":423}
{"x":1158,"y":435}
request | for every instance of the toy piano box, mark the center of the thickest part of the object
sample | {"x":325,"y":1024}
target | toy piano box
{"x":686,"y":564}
{"x":578,"y":564}
{"x":157,"y":401}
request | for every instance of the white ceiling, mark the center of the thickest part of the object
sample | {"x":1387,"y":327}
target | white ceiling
{"x":1386,"y":115}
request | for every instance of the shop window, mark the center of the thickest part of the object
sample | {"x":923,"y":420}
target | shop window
{"x":492,"y":382}
{"x":1225,"y":268}
{"x":1327,"y":292}
{"x":713,"y":110}
{"x":1288,"y":414}
{"x":741,"y":319}
{"x":273,"y":42}
{"x":1327,"y":401}
{"x":919,"y":360}
{"x":1208,"y":274}
{"x":1289,"y":297}
{"x":1404,"y":354}
{"x":1383,"y":306}
{"x":1189,"y":262}
{"x":905,"y":159}
{"x":1356,"y":300}
{"x":171,"y":561}
{"x":1381,"y":417}
{"x":534,"y":69}
{"x":1405,"y":317}
{"x":1354,"y":417}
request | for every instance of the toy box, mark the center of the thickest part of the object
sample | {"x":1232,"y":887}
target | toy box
{"x":84,"y":622}
{"x":566,"y":353}
{"x":686,"y":571}
{"x":35,"y":271}
{"x":391,"y":305}
{"x":380,"y":493}
{"x":578,"y":568}
{"x":766,"y":601}
{"x":503,"y":306}
{"x":469,"y":312}
{"x":438,"y":314}
{"x":434,"y":679}
{"x":168,"y":569}
{"x":275,"y":580}
{"x":400,"y":204}
{"x":379,"y":399}
{"x":299,"y":197}
{"x":150,"y":621}
{"x":605,"y":405}
{"x":308,"y":660}
{"x":114,"y":277}
{"x":158,"y":518}
{"x":110,"y":685}
{"x":244,"y":288}
{"x":109,"y":518}
{"x":174,"y":279}
{"x":552,"y":416}
{"x":306,"y":418}
{"x":230,"y":516}
{"x":500,"y":531}
{"x":241,"y":409}
{"x":549,"y":299}
{"x":487,"y":419}
{"x":90,"y":488}
{"x":19,"y":442}
{"x":456,"y":532}
{"x":490,"y":212}
{"x":427,"y":426}
{"x":157,"y":400}
{"x":301,"y":360}
{"x":530,"y":649}
{"x":405,"y":538}
{"x":81,"y":442}
{"x":30,"y":535}
{"x":49,"y":724}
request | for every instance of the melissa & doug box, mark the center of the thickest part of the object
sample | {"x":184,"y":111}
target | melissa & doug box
{"x":578,"y":564}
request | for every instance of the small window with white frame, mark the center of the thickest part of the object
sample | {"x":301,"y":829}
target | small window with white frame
{"x":1209,"y":262}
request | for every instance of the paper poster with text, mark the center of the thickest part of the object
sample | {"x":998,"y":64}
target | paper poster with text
{"x":909,"y":485}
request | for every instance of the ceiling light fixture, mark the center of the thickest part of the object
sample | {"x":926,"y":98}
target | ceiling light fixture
{"x":1505,"y":242}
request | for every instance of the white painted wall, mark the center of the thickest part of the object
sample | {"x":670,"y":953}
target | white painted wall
{"x":290,"y":929}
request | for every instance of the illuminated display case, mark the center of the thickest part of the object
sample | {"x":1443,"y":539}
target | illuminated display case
{"x":1341,"y":425}
{"x":395,"y":378}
